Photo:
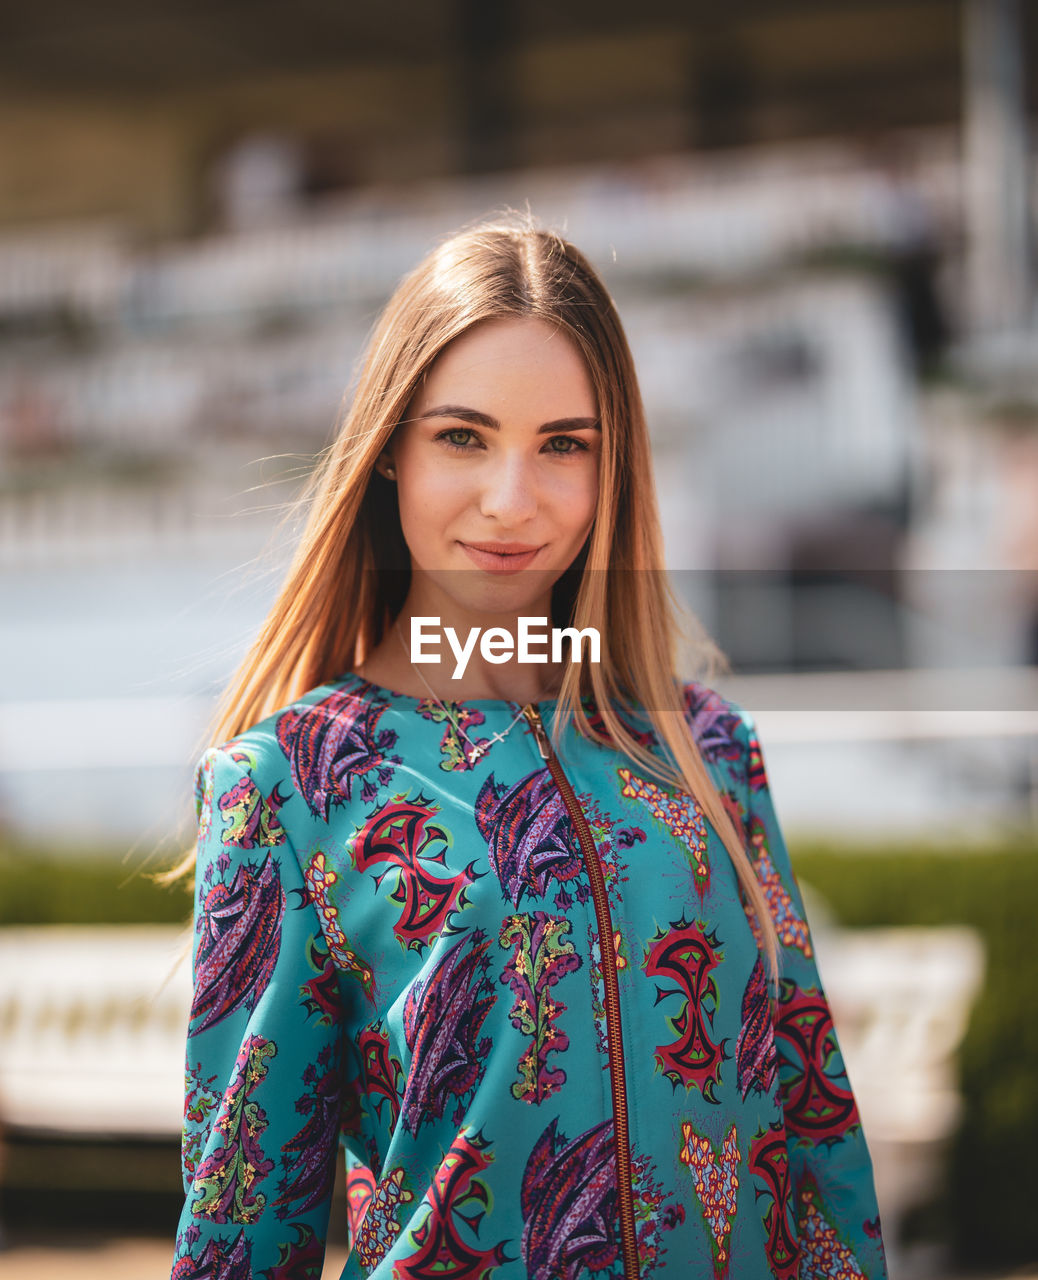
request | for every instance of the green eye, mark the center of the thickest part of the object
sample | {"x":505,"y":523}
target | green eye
{"x":448,"y":437}
{"x":573,"y":444}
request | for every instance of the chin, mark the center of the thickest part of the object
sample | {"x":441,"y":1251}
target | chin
{"x":513,"y":594}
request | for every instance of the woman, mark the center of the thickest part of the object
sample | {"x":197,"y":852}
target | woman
{"x":523,"y":935}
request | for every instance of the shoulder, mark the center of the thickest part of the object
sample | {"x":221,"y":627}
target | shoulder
{"x":318,"y":751}
{"x":727,"y":738}
{"x":721,"y":728}
{"x":259,"y":755}
{"x":727,"y":733}
{"x":262,"y":746}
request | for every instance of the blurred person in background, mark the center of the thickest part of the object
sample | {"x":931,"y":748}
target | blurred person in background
{"x":527,"y":942}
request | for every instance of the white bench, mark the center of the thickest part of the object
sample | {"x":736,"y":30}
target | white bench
{"x":901,"y":1000}
{"x":92,"y":1026}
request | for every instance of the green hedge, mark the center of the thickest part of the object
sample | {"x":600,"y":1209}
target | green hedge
{"x":988,"y":1214}
{"x":37,"y":887}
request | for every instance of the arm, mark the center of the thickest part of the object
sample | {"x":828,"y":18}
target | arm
{"x":829,"y":1165}
{"x":264,"y":1054}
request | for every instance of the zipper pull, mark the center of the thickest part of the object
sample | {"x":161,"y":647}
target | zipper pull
{"x":533,"y":716}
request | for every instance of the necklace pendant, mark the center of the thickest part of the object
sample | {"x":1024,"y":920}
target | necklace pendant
{"x":476,"y":752}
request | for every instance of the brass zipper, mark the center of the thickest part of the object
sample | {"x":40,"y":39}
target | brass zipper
{"x":607,"y":953}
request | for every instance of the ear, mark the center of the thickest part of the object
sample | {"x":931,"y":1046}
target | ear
{"x":385,"y":466}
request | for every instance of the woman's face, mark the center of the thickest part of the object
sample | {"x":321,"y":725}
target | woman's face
{"x":497,"y":468}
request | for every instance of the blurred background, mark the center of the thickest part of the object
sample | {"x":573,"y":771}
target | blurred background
{"x":818,"y":220}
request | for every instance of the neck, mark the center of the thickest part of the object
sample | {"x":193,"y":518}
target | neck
{"x":396,"y":663}
{"x":465,"y":672}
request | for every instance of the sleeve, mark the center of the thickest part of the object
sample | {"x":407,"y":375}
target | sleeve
{"x":830,"y":1169}
{"x":264,"y":1048}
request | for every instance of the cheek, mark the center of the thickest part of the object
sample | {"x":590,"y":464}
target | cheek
{"x":577,"y":497}
{"x":428,"y":497}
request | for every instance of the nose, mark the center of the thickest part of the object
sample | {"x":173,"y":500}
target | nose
{"x":508,"y":493}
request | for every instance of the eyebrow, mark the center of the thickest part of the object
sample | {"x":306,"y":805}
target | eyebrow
{"x":485,"y":420}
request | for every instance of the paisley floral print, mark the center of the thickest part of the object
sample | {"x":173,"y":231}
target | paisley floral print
{"x":792,"y":928}
{"x":400,"y":955}
{"x":403,"y":838}
{"x":530,"y":839}
{"x":333,"y":744}
{"x":715,"y":1177}
{"x":240,"y":933}
{"x":443,"y":1022}
{"x":686,"y":956}
{"x":379,"y":1225}
{"x":680,"y":814}
{"x":769,"y":1164}
{"x":455,"y":1203}
{"x":309,"y":1173}
{"x":226,"y":1182}
{"x":569,"y":1204}
{"x":755,"y":1057}
{"x":542,"y":955}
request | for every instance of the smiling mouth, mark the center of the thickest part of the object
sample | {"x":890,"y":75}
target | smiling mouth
{"x":505,"y":558}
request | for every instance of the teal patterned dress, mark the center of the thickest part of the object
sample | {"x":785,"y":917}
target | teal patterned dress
{"x":522,"y":994}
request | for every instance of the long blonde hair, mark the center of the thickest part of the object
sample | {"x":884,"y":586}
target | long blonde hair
{"x":348,"y":577}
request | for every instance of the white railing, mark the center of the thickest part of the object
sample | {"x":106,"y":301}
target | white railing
{"x":100,"y":525}
{"x":92,"y":1025}
{"x":901,"y":1001}
{"x":853,"y":707}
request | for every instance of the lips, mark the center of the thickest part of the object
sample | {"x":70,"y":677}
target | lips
{"x":500,"y":557}
{"x":503,"y":548}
